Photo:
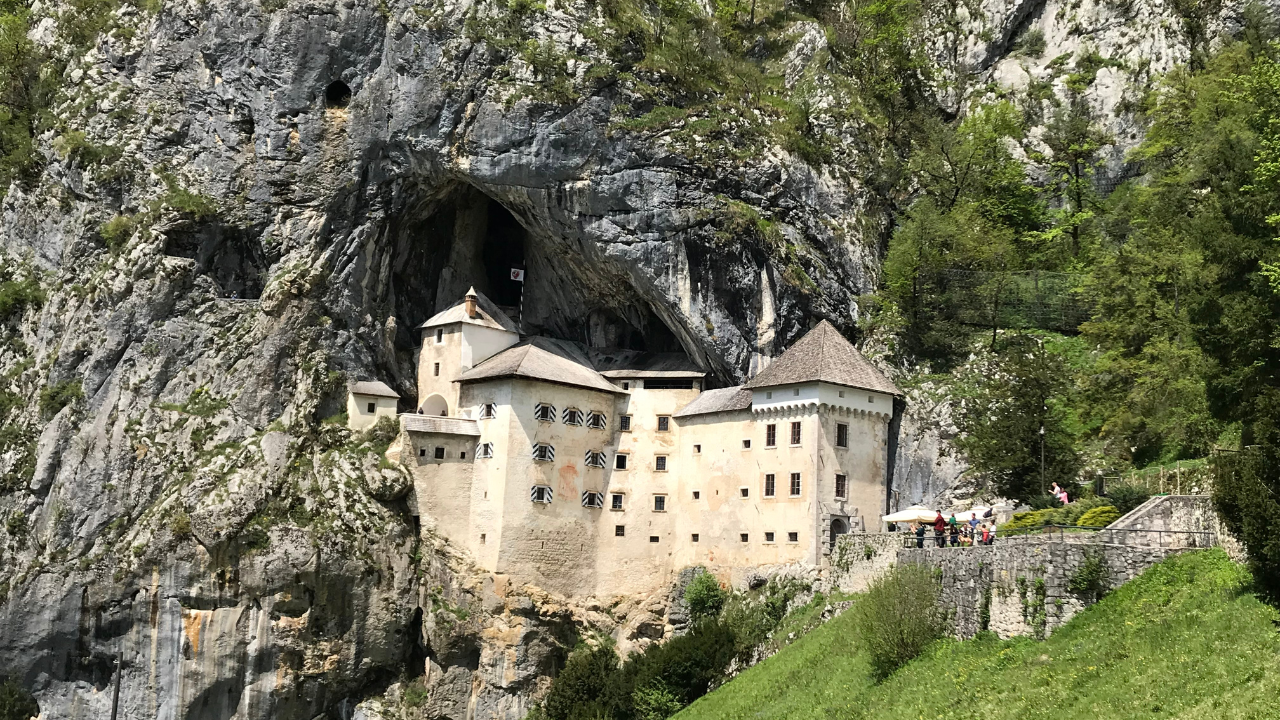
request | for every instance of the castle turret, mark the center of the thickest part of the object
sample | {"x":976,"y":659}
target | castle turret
{"x":454,"y":341}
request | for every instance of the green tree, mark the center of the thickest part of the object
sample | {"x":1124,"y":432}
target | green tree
{"x":1012,"y":407}
{"x":704,"y":596}
{"x":580,"y":685}
{"x":15,"y":702}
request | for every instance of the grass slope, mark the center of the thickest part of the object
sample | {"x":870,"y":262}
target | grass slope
{"x":1185,"y":640}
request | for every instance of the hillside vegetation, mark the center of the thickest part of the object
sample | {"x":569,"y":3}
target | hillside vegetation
{"x":1185,"y":640}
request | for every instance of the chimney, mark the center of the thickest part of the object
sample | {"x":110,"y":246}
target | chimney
{"x":472,"y":310}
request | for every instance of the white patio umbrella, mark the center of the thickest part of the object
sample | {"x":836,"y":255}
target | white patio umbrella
{"x":915,"y":513}
{"x":968,"y":515}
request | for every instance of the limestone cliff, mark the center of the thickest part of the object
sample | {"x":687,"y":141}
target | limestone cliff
{"x":237,"y":207}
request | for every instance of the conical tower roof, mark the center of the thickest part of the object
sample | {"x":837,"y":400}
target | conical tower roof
{"x":824,"y":355}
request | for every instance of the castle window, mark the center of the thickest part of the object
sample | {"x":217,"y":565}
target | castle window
{"x":436,"y":370}
{"x":544,"y":412}
{"x":620,"y":462}
{"x":664,"y":423}
{"x":481,"y":538}
{"x":697,"y":449}
{"x":592,"y":500}
{"x":615,"y":501}
{"x":745,"y":492}
{"x":842,"y":435}
{"x":770,"y":435}
{"x":660,"y":463}
{"x":795,"y":484}
{"x":742,"y":537}
{"x":439,"y":336}
{"x":544,"y":452}
{"x":746,"y":444}
{"x":540,"y":494}
{"x":594,"y":459}
{"x":371,"y":407}
{"x":659,"y":503}
{"x":626,"y":385}
{"x":488,"y":411}
{"x":572,"y":416}
{"x":768,"y":394}
{"x":770,"y":485}
{"x":624,"y":423}
{"x":795,"y":433}
{"x":841,"y":393}
{"x":619,"y":530}
{"x":842,"y":486}
{"x":439,"y":453}
{"x":668,"y":384}
{"x":793,"y":537}
{"x":696,"y":494}
{"x":422,"y":452}
{"x":768,"y":537}
{"x":653,"y":538}
{"x":695,"y":537}
{"x":484,"y":450}
{"x":596,"y":421}
{"x":796,"y":392}
{"x":462,"y":455}
{"x":871,"y":398}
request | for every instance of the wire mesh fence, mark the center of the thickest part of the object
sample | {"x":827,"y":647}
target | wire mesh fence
{"x":1019,"y":299}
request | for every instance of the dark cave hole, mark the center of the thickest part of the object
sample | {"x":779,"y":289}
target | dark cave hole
{"x":337,"y":95}
{"x":234,"y":258}
{"x":465,"y":238}
{"x":503,"y":253}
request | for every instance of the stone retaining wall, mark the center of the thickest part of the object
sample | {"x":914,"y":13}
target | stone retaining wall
{"x":1024,"y":588}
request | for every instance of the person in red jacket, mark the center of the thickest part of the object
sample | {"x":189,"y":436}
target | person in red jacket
{"x":940,"y":530}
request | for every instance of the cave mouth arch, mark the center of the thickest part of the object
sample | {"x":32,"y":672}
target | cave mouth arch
{"x":337,"y":95}
{"x":449,"y":239}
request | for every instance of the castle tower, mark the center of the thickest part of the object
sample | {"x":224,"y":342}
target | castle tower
{"x":454,"y":341}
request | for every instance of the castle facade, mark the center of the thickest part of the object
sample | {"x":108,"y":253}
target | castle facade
{"x":603,"y":472}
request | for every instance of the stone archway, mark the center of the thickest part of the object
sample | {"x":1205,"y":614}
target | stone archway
{"x":839,"y":526}
{"x":435,"y":405}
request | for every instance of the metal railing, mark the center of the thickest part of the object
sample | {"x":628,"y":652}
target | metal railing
{"x":1133,"y":537}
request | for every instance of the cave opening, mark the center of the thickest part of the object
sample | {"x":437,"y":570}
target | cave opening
{"x":458,"y":237}
{"x":236,"y":259}
{"x":337,"y":95}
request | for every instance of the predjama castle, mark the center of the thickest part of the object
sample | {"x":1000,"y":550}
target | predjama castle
{"x":586,"y":471}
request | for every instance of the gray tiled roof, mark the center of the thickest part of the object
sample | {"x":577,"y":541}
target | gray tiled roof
{"x":720,"y":400}
{"x":823,"y":354}
{"x":490,"y":315}
{"x":439,"y":425}
{"x":617,"y":363}
{"x":545,"y":359}
{"x":372,"y":387}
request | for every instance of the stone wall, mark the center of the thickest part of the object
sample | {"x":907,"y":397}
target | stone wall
{"x":860,"y":557}
{"x":1024,"y":588}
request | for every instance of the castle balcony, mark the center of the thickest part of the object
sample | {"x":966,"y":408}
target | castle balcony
{"x":414,"y":423}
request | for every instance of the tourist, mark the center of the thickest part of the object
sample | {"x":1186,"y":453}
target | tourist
{"x":991,"y":539}
{"x":986,"y":534}
{"x":939,"y":530}
{"x":955,"y":533}
{"x":919,"y":535}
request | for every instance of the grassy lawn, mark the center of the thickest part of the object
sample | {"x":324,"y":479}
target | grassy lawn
{"x":1185,"y":640}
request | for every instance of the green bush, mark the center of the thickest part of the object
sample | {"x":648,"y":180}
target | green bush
{"x":704,"y":596}
{"x":898,"y":618}
{"x":15,"y":702}
{"x":117,"y":231}
{"x":1101,"y":516}
{"x":1126,"y":497}
{"x":579,"y":687}
{"x":57,"y":396}
{"x":1090,"y":580}
{"x":18,"y":295}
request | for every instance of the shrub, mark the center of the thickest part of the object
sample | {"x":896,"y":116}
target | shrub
{"x":1101,"y":516}
{"x":1126,"y":497}
{"x":415,"y":693}
{"x":578,"y":689}
{"x":655,"y":702}
{"x":117,"y":231}
{"x":59,"y":395}
{"x":704,"y":596}
{"x":15,"y":702}
{"x":898,"y":618}
{"x":180,"y":524}
{"x":18,"y":295}
{"x":1090,"y":580}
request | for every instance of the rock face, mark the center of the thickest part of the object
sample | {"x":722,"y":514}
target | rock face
{"x":245,"y":205}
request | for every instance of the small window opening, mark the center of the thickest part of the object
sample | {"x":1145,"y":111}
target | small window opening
{"x":439,"y":453}
{"x":626,"y":385}
{"x":664,"y":423}
{"x":695,"y":537}
{"x":742,"y":537}
{"x":768,"y":537}
{"x":619,"y":530}
{"x":481,"y":538}
{"x":660,"y":463}
{"x":436,"y":370}
{"x":746,"y":444}
{"x":659,"y":503}
{"x":842,"y":486}
{"x":770,"y":485}
{"x":337,"y":95}
{"x":770,"y":435}
{"x":422,"y":452}
{"x":462,"y":455}
{"x":615,"y":501}
{"x":842,"y":435}
{"x":697,"y":449}
{"x":745,"y":491}
{"x":653,"y":538}
{"x":371,"y":407}
{"x":793,"y":537}
{"x":439,"y":336}
{"x":620,"y":462}
{"x":624,"y":423}
{"x":696,"y":494}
